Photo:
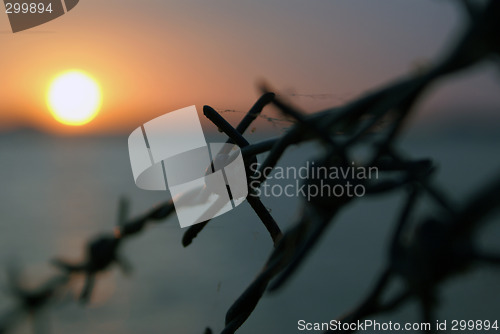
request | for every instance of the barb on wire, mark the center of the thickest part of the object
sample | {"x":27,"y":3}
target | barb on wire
{"x":30,"y":302}
{"x":236,"y":136}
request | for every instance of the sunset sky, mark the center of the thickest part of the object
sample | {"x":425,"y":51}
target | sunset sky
{"x":155,"y":56}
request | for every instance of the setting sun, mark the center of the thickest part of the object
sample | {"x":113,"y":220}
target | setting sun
{"x":74,"y":98}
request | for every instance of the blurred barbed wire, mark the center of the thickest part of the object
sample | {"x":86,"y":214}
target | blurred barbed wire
{"x":440,"y":246}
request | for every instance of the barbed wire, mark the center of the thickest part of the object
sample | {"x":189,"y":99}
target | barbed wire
{"x":437,"y":249}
